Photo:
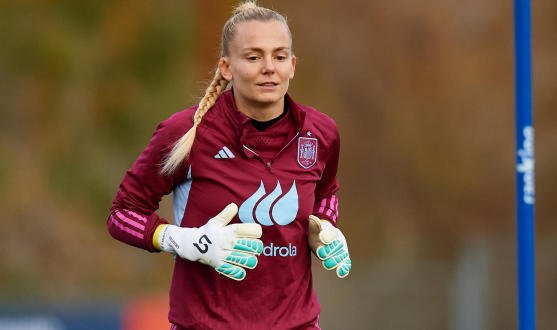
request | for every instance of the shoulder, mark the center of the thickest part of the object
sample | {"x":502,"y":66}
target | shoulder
{"x":324,"y":124}
{"x":178,"y":123}
{"x":169,"y":131}
{"x":320,"y":119}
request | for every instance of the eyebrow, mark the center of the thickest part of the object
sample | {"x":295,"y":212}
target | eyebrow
{"x":257,"y":49}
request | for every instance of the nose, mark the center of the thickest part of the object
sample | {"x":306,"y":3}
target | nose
{"x":268,"y":66}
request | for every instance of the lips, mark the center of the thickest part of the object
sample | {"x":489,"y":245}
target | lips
{"x":267,"y":84}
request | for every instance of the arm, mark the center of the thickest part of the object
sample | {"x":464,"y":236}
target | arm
{"x":227,"y":248}
{"x":326,"y":202}
{"x":132,"y":217}
{"x":325,"y":240}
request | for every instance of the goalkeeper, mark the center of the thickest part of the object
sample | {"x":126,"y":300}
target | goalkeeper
{"x":253,"y":178}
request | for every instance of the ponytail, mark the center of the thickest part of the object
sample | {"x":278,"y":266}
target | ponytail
{"x":182,"y":147}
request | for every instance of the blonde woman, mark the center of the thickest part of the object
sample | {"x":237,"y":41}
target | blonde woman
{"x":253,"y":177}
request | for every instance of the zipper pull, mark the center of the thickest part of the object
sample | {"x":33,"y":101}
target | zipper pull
{"x":269,"y":166}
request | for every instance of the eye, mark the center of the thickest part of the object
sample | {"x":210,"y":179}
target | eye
{"x":252,"y":58}
{"x":281,"y":57}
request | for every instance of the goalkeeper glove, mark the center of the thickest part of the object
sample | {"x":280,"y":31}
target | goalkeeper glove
{"x":329,"y":244}
{"x":229,"y":249}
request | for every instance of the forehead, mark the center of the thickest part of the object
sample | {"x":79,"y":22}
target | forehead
{"x":257,"y":34}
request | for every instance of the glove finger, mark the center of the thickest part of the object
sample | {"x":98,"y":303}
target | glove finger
{"x":248,"y":245}
{"x":344,"y":268}
{"x":234,"y":272}
{"x":247,"y":230}
{"x":241,"y":259}
{"x":325,"y":251}
{"x":328,"y":234}
{"x":335,"y":260}
{"x":226,"y":215}
{"x":314,"y":223}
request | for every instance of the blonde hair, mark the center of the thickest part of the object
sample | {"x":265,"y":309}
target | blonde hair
{"x":244,"y":12}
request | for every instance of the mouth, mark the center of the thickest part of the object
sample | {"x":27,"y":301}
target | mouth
{"x":268,"y":84}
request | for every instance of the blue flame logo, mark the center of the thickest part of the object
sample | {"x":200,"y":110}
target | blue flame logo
{"x":283,"y":212}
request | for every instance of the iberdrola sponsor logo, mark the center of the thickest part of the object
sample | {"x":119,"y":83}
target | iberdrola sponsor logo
{"x":259,"y":209}
{"x":279,"y":251}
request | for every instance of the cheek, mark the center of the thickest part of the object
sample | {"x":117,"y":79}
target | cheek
{"x":246,"y":79}
{"x":242,"y":73}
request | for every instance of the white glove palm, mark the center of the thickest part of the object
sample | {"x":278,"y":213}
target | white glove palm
{"x":226,"y":248}
{"x":329,"y":244}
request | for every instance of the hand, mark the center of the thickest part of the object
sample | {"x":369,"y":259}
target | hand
{"x":329,"y":244}
{"x":229,"y":249}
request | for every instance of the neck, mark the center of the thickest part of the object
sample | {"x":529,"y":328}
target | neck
{"x":260,"y":112}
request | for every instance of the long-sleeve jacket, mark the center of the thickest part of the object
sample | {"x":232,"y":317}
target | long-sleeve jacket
{"x":277,"y":177}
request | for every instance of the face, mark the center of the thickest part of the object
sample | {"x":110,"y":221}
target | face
{"x":260,"y":63}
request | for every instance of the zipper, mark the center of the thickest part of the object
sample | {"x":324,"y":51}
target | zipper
{"x":269,"y":165}
{"x":255,"y":153}
{"x":297,"y":133}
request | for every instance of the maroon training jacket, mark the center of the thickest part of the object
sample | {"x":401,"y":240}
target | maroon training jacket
{"x":277,"y":178}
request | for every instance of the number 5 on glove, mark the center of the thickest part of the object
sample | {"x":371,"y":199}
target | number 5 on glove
{"x":227,"y":248}
{"x":329,"y":244}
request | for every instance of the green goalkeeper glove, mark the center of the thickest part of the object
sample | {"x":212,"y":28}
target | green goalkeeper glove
{"x":229,"y":249}
{"x":329,"y":244}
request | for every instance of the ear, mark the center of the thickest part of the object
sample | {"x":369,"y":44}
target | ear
{"x":224,"y":68}
{"x":293,"y":67}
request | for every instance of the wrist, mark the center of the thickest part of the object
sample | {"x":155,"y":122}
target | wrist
{"x":164,"y":240}
{"x":176,"y":240}
{"x":156,"y":236}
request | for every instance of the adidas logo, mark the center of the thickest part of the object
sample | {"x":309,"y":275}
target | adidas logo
{"x":225,"y":153}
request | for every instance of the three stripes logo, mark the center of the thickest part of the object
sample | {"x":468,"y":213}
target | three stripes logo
{"x":282,"y":210}
{"x":224,"y":153}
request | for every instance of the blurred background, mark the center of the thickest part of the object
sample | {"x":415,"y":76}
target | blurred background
{"x":423,"y":95}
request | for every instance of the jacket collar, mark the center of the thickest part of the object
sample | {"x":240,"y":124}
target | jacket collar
{"x":226,"y":101}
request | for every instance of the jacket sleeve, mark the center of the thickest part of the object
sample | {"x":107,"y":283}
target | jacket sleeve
{"x":326,"y":202}
{"x":132,"y":218}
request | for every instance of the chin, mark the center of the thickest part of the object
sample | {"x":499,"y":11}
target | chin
{"x":269,"y":98}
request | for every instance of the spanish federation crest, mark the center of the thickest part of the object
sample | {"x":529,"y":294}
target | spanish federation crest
{"x":307,"y":151}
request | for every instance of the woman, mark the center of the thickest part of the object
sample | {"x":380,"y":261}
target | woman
{"x":251,"y":146}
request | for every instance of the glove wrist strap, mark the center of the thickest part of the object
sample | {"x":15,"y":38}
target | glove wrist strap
{"x":163,"y":238}
{"x":156,"y":235}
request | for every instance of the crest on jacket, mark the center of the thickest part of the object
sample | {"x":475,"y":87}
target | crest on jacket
{"x":307,"y":151}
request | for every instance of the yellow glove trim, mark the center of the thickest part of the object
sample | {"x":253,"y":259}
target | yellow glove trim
{"x":156,"y":237}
